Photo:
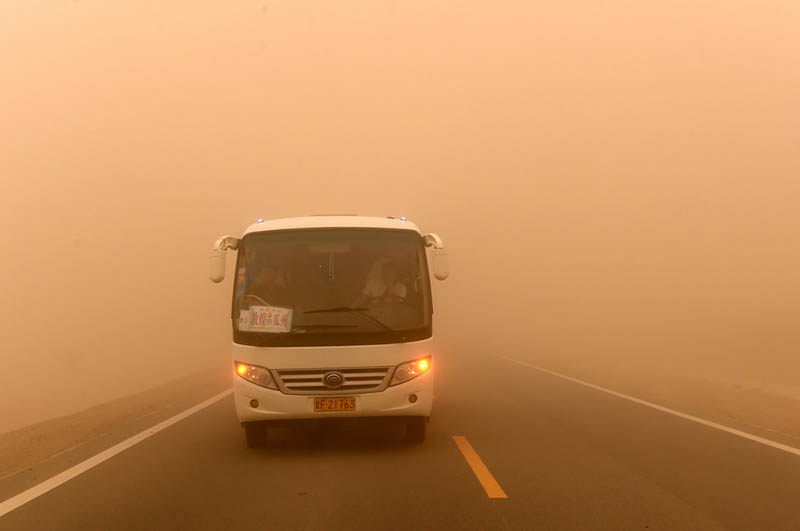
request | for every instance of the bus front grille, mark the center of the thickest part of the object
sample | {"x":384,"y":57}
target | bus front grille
{"x":312,"y":381}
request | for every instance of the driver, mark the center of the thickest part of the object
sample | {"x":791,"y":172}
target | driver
{"x":268,"y":285}
{"x":387,"y":288}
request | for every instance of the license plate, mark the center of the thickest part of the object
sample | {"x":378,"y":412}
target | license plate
{"x":337,"y":403}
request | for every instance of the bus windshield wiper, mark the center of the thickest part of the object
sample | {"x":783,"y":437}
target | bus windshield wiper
{"x":303,"y":328}
{"x":358,"y":311}
{"x":336,"y":309}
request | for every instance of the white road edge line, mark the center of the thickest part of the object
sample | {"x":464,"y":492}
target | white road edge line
{"x":59,"y":479}
{"x":721,"y":427}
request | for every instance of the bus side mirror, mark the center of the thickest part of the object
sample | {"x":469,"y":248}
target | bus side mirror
{"x":216,"y":257}
{"x":216,"y":265}
{"x":438,"y":255}
{"x":441,"y":268}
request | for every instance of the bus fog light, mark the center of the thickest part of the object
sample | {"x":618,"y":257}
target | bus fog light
{"x":254,"y":403}
{"x":412,"y":398}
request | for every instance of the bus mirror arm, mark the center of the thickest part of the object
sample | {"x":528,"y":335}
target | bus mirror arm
{"x":226,"y":242}
{"x":216,"y":257}
{"x":433,"y":240}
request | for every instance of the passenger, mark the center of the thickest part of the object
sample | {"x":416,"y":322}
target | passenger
{"x":385,"y":289}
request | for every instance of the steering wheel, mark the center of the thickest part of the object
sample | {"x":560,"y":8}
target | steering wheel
{"x":388,"y":299}
{"x":254,"y":297}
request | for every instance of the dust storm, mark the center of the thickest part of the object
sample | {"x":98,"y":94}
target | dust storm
{"x":616,"y":182}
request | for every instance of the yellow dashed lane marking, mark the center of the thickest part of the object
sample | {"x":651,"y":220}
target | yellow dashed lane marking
{"x":490,"y":485}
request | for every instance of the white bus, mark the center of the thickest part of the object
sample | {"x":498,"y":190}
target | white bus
{"x":332,"y":318}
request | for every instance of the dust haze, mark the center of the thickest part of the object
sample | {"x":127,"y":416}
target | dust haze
{"x":617,"y":182}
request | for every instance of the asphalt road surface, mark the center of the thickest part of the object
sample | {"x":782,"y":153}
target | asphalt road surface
{"x":566,"y":456}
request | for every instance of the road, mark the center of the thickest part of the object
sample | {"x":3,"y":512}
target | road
{"x":567,"y":457}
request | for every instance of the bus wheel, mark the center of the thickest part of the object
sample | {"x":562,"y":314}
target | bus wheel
{"x":256,"y":434}
{"x":415,"y":430}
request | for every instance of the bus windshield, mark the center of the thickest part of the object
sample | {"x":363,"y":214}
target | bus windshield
{"x":331,"y":286}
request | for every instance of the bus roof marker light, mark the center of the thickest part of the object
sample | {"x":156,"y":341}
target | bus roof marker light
{"x":260,"y":220}
{"x":403,"y":218}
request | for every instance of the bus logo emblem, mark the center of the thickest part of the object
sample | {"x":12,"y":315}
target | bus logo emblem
{"x":333,"y":380}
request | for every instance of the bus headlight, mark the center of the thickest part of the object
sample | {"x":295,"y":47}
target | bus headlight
{"x":257,"y":375}
{"x":406,"y":371}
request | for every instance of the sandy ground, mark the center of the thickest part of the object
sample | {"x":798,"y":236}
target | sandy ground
{"x":754,"y":406}
{"x":25,"y":447}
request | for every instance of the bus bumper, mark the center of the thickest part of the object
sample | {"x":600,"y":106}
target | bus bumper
{"x":394,"y":401}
